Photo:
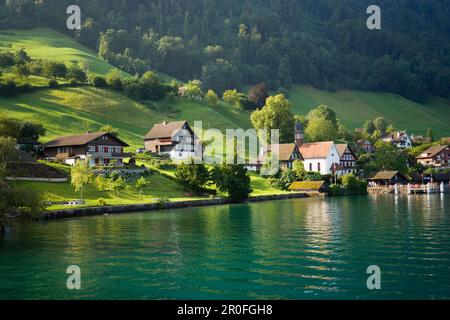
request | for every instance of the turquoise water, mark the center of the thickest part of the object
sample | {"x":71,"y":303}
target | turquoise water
{"x":294,"y":249}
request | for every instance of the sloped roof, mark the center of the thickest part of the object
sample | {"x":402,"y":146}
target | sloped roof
{"x":79,"y":140}
{"x":307,"y":185}
{"x":316,"y":149}
{"x":432,"y":151}
{"x":165,"y":130}
{"x":284,"y":150}
{"x":387,"y":175}
{"x":341,"y":148}
{"x":394,"y":136}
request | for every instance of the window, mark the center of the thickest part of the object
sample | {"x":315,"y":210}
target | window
{"x":310,"y":167}
{"x":318,"y":167}
{"x":106,"y":149}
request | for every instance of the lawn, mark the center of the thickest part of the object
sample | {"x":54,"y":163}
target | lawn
{"x":159,"y":187}
{"x":355,"y":107}
{"x":260,"y":185}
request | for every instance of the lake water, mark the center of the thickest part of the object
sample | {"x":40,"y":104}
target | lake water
{"x":293,"y":249}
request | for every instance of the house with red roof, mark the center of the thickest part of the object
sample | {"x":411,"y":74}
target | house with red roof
{"x":321,"y":157}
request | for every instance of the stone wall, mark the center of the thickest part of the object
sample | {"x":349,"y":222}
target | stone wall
{"x":94,"y":211}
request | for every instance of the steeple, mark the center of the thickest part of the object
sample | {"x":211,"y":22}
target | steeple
{"x":299,"y":135}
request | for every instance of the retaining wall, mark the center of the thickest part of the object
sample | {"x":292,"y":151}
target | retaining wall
{"x":93,"y":211}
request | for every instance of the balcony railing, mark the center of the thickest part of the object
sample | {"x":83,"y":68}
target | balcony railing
{"x":109,"y":154}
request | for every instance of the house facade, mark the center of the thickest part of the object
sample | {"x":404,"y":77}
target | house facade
{"x":175,"y":139}
{"x":285,"y":153}
{"x":436,"y":156}
{"x":101,"y":148}
{"x":365,"y":145}
{"x":320,"y":156}
{"x":347,"y":158}
{"x":400,"y":139}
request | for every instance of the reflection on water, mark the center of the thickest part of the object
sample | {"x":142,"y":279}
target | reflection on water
{"x":295,"y":249}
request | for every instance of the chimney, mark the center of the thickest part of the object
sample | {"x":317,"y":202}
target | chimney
{"x":299,"y":136}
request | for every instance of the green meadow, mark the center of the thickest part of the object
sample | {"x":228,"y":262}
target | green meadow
{"x":355,"y":107}
{"x":42,"y":43}
{"x":158,"y":187}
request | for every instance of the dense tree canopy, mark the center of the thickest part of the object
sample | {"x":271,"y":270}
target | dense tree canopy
{"x":275,"y":115}
{"x":324,"y":43}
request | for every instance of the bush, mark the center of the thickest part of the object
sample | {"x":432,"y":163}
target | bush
{"x":194,"y":177}
{"x":101,"y":202}
{"x":337,"y":190}
{"x":287,"y":177}
{"x":234,"y":180}
{"x":73,"y":82}
{"x":313,"y":176}
{"x":162,"y":202}
{"x":25,"y":88}
{"x":113,"y":80}
{"x":148,"y":87}
{"x":75,"y":72}
{"x":354,"y":185}
{"x":8,"y":89}
{"x":98,"y":81}
{"x":53,"y":84}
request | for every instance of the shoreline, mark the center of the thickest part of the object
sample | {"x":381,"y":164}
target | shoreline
{"x":124,"y":209}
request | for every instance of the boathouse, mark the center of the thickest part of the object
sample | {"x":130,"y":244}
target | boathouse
{"x":309,"y":186}
{"x":388,"y":178}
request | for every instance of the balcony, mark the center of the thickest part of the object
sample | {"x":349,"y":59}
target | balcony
{"x":94,"y":154}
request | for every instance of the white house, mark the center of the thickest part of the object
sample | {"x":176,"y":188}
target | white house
{"x":400,"y":139}
{"x":175,"y":139}
{"x":320,"y":156}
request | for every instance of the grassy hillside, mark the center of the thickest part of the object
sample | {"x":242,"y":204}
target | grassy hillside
{"x":51,"y":45}
{"x":89,"y":108}
{"x":74,"y":110}
{"x":354,"y":107}
{"x":43,"y":43}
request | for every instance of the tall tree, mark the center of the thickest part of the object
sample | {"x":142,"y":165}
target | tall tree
{"x":258,"y":95}
{"x":275,"y":115}
{"x":81,"y":175}
{"x":232,"y":179}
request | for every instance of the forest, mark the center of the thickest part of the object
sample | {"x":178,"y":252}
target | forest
{"x":234,"y":43}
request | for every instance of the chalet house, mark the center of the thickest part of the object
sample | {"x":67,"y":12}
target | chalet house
{"x":436,"y":156}
{"x":320,"y":157}
{"x":365,"y":145}
{"x":175,"y":139}
{"x":347,"y":158}
{"x":286,"y":154}
{"x":99,"y":148}
{"x":388,"y":178}
{"x":400,"y":139}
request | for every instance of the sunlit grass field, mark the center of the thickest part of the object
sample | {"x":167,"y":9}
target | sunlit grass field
{"x":42,"y":43}
{"x":355,"y":107}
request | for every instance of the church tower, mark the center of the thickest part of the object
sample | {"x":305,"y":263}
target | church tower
{"x":299,"y":135}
